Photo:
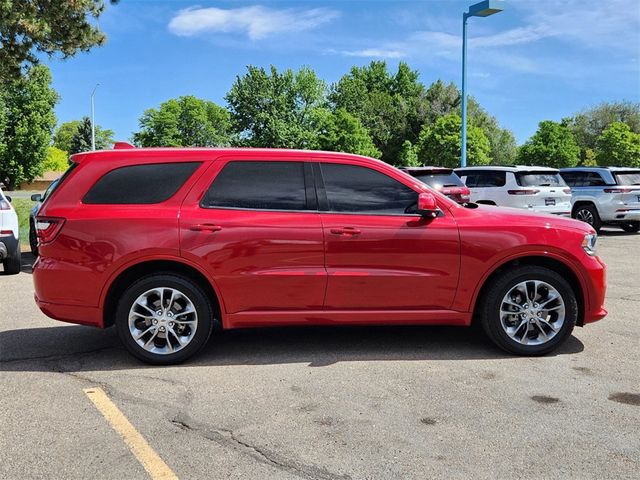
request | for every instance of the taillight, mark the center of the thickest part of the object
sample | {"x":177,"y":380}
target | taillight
{"x":531,"y":191}
{"x":619,"y":190}
{"x":566,"y":190}
{"x":47,"y":228}
{"x":4,"y":204}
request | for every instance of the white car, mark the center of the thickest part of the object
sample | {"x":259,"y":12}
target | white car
{"x":539,"y":189}
{"x":9,"y":232}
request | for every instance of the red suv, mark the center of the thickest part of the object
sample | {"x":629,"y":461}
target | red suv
{"x":168,"y":243}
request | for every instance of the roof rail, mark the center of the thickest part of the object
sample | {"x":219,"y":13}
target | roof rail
{"x":122,"y":146}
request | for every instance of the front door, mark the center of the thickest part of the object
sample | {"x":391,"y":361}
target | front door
{"x":379,"y":255}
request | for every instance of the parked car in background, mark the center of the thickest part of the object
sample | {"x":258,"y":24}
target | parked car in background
{"x":9,"y":236}
{"x":39,"y":199}
{"x":166,"y":243}
{"x":538,"y":189}
{"x":442,"y":179}
{"x":605,"y":196}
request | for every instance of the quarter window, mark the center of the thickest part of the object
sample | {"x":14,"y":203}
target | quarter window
{"x":355,"y":189}
{"x":258,"y":185}
{"x":140,"y":184}
{"x":484,"y":178}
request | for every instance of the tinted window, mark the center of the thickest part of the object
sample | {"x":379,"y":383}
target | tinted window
{"x":355,"y":189}
{"x":484,"y":178}
{"x":259,"y":185}
{"x":437,"y":180}
{"x":539,"y":179}
{"x":573,"y":179}
{"x":628,"y":178}
{"x":140,"y":184}
{"x":593,"y":179}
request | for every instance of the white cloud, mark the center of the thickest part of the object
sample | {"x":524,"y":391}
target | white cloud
{"x":371,"y":53}
{"x":256,"y":21}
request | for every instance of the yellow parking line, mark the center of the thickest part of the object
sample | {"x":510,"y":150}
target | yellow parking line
{"x":150,"y":460}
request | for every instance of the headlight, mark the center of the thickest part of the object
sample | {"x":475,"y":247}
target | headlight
{"x":589,"y":243}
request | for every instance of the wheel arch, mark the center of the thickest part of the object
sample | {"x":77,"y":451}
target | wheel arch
{"x":551,"y":263}
{"x":145,"y":267}
{"x":581,"y":203}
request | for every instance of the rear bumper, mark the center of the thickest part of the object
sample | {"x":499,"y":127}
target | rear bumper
{"x":71,"y":313}
{"x":8,"y":244}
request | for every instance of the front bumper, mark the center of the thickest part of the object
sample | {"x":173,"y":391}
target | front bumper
{"x":597,"y":288}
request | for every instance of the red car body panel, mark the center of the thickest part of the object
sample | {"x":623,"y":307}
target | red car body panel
{"x":271,"y":268}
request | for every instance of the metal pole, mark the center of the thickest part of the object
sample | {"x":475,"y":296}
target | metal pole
{"x":93,"y":120}
{"x":463,"y":147}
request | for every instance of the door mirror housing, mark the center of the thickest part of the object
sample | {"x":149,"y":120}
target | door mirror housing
{"x":36,"y":197}
{"x":427,"y":205}
{"x":8,"y":198}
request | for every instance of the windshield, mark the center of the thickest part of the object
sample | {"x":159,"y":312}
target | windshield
{"x":437,"y":180}
{"x":628,"y":178}
{"x":540,"y":179}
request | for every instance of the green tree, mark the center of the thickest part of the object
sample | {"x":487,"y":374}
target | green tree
{"x":56,"y":161}
{"x":618,"y":146}
{"x":408,"y":155}
{"x":64,"y":133}
{"x":552,"y":145}
{"x":502,"y":143}
{"x":340,"y":131}
{"x":272,"y":109}
{"x":392,"y":107}
{"x":32,"y":27}
{"x":184,"y":122}
{"x":439,"y":143}
{"x":28,"y":123}
{"x":81,"y":138}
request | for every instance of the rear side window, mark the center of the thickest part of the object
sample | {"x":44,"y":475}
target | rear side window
{"x":628,"y":178}
{"x":573,"y":179}
{"x":594,"y":179}
{"x":355,"y":189}
{"x":258,"y":185}
{"x":485,"y":178}
{"x":539,"y":179}
{"x":140,"y":184}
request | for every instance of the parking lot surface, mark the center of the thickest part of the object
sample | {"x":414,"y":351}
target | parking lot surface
{"x":327,"y":403}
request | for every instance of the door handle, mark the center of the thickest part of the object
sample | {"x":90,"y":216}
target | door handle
{"x":205,"y":227}
{"x":345,"y":231}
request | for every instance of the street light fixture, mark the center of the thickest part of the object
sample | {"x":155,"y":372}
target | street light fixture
{"x":93,"y":120}
{"x":482,"y":9}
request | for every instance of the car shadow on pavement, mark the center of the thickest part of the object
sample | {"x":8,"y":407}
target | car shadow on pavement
{"x":77,"y":348}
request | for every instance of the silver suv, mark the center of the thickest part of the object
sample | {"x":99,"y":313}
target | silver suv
{"x":605,"y":195}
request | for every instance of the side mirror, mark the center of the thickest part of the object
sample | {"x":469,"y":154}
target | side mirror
{"x":427,"y":205}
{"x":8,"y":198}
{"x":36,"y":197}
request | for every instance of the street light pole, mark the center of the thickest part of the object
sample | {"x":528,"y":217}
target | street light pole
{"x":482,"y":9}
{"x":93,"y":120}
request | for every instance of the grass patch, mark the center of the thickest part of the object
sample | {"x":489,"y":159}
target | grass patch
{"x":23,"y":208}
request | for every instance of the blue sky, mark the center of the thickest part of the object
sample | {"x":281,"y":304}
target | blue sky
{"x":537,"y":60}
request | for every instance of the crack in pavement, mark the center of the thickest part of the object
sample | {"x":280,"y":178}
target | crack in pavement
{"x":225,"y":437}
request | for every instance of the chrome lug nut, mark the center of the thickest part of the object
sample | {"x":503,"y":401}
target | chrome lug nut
{"x":155,"y":322}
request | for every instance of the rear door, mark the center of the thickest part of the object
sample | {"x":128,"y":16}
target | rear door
{"x":255,"y":227}
{"x":379,"y":255}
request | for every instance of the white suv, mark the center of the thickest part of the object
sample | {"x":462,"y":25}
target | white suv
{"x":539,"y":189}
{"x":9,"y":244}
{"x":605,"y":195}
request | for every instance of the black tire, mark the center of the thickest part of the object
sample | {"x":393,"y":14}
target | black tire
{"x":202,"y":304}
{"x":13,"y":263}
{"x":630,"y":227}
{"x":588,"y":213}
{"x":490,"y":306}
{"x":33,"y":239}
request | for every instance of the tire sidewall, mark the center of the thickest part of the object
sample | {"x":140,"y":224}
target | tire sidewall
{"x":491,"y":315}
{"x":597,"y":224}
{"x":199,"y":299}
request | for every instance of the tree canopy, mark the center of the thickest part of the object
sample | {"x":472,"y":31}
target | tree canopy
{"x":184,"y":122}
{"x":553,"y":145}
{"x":32,"y":27}
{"x":27,"y":122}
{"x":618,"y":146}
{"x":81,"y":137}
{"x":440,"y":143}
